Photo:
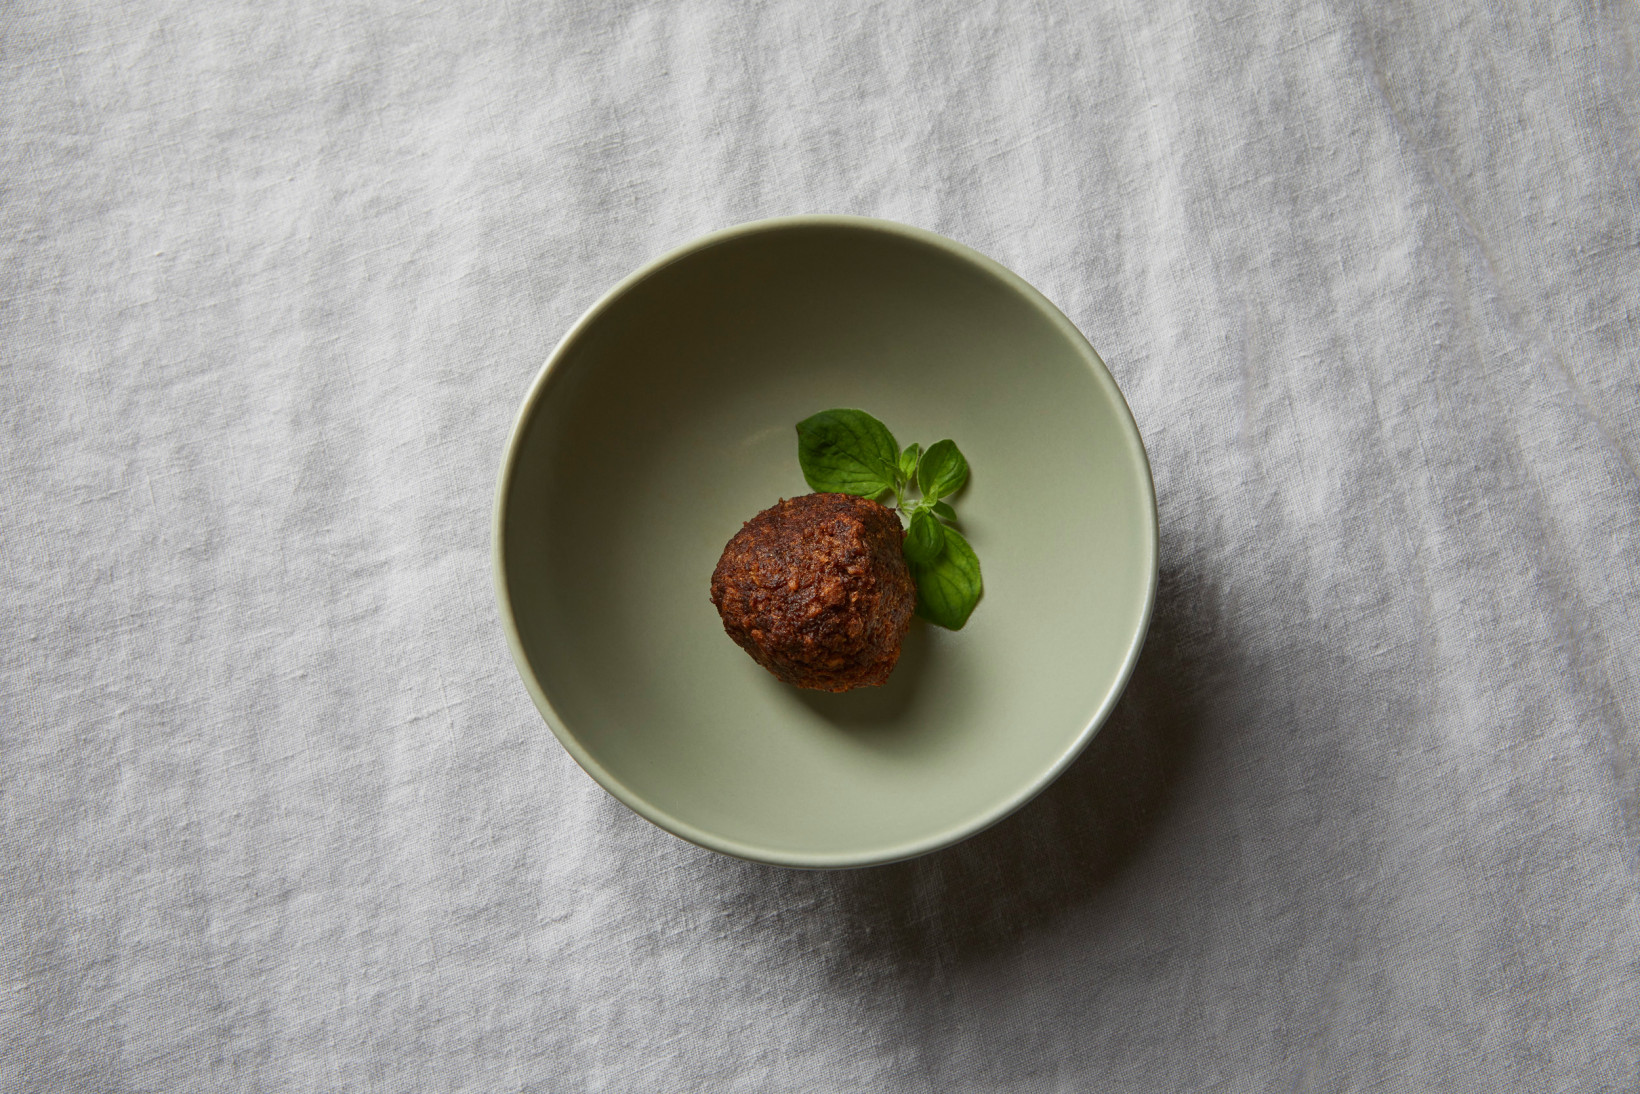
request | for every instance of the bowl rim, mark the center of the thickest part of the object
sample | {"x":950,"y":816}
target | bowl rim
{"x":542,"y":384}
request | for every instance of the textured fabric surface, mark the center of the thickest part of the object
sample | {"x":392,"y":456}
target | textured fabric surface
{"x":276,"y":813}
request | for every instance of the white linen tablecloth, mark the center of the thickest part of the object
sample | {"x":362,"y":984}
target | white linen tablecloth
{"x":277,"y":815}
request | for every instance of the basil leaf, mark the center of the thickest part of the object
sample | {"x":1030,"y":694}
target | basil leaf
{"x":847,"y":452}
{"x":944,"y":511}
{"x":950,"y":586}
{"x":942,"y":471}
{"x":908,"y":463}
{"x":925,"y":539}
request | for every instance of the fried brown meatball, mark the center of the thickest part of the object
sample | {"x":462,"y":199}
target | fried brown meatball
{"x":816,"y":589}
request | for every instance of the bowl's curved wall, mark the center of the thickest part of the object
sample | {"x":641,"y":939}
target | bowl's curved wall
{"x":666,"y":418}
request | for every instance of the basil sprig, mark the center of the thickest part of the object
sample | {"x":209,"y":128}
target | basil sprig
{"x":849,"y":452}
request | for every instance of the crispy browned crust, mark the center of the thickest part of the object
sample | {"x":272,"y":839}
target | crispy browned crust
{"x":816,"y":589}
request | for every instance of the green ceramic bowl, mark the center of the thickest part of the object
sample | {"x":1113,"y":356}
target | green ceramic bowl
{"x":666,"y":417}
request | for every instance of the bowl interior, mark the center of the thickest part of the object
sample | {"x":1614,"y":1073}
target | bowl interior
{"x":666,"y":418}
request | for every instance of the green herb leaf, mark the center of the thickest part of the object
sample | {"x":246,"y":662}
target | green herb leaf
{"x":847,"y":452}
{"x":950,"y":586}
{"x":908,"y":463}
{"x":925,"y":539}
{"x":942,"y":471}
